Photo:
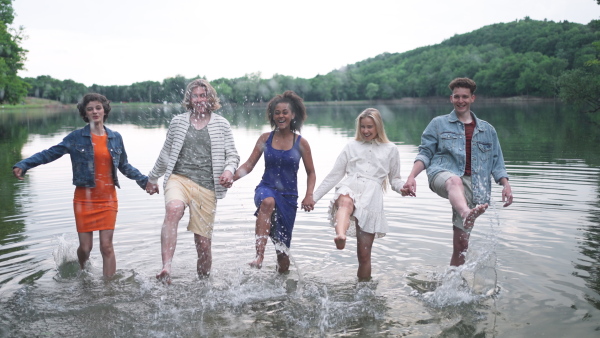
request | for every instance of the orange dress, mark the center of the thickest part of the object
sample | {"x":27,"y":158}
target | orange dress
{"x":96,"y":208}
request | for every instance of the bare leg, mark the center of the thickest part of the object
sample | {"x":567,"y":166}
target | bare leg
{"x":109,"y":262}
{"x":363,"y":252}
{"x":456,"y":196}
{"x":283,"y":262}
{"x":345,"y":208}
{"x":86,"y":242}
{"x":460,"y":244}
{"x":168,"y":237}
{"x":203,"y":247}
{"x":263,"y":227}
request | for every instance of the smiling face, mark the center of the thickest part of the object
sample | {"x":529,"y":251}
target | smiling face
{"x":283,"y":115}
{"x":368,"y":130}
{"x":199,"y":99}
{"x":462,"y":98}
{"x":94,"y":111}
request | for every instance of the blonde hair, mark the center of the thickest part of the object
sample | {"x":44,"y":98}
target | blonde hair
{"x":211,"y":95}
{"x":381,"y":136}
{"x":376,"y":116}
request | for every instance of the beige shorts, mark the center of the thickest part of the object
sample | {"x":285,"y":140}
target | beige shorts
{"x":438,"y":185}
{"x":202,"y":203}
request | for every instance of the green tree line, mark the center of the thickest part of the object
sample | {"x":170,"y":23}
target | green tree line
{"x":523,"y":57}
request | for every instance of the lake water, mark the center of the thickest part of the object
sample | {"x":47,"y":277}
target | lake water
{"x":533,"y":268}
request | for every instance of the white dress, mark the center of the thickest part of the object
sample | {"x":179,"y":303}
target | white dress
{"x":360,"y":172}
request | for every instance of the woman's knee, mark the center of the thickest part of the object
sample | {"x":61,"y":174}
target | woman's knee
{"x":268,"y":204}
{"x":344,"y":201}
{"x":106,"y":249}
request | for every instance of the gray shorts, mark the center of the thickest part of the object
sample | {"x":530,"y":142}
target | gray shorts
{"x":438,"y":185}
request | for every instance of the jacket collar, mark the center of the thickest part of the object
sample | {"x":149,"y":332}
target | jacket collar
{"x":87,"y":131}
{"x":478,"y":123}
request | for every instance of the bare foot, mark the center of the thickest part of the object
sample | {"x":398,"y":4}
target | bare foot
{"x":340,"y":241}
{"x":471,"y":216}
{"x":164,"y":276}
{"x":257,"y":263}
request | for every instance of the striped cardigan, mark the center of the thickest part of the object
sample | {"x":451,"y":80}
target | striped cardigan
{"x":224,"y":154}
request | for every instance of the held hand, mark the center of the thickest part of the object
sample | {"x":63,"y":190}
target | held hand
{"x":152,"y":188}
{"x":226,"y":179}
{"x":308,"y":204}
{"x":18,"y":172}
{"x":410,"y":187}
{"x":507,"y":195}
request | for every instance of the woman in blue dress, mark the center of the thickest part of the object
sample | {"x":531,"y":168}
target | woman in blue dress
{"x":276,"y":196}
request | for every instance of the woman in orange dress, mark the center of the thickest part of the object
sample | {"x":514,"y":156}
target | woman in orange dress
{"x":96,"y":153}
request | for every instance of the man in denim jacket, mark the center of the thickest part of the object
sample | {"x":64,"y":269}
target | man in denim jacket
{"x":461,"y":153}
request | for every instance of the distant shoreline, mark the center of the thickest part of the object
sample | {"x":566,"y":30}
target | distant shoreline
{"x":32,"y":102}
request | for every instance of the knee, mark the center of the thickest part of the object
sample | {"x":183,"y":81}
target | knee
{"x":268,"y":204}
{"x":106,"y":249}
{"x":453,"y":182}
{"x":345,"y":202}
{"x":85,"y":247}
{"x":364,"y":258}
{"x":175,"y":209}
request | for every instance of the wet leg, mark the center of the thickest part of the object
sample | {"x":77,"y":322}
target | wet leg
{"x":456,"y":196}
{"x":168,"y":237}
{"x":263,"y":227}
{"x":345,"y":208}
{"x":460,"y":244}
{"x":86,"y":242}
{"x":283,"y":262}
{"x":109,"y":262}
{"x":203,"y":248}
{"x":363,"y":252}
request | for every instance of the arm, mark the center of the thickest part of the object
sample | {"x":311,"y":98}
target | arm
{"x":127,"y":169}
{"x":308,"y":203}
{"x":232,"y":159}
{"x":160,"y":166}
{"x":257,"y":152}
{"x":410,"y":187}
{"x":335,"y":175}
{"x":45,"y":156}
{"x":507,"y":195}
{"x":394,"y":172}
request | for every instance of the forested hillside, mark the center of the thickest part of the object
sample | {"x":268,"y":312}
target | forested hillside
{"x":524,"y":57}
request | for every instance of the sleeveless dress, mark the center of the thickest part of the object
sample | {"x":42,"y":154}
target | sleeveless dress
{"x":96,"y":208}
{"x":280,"y":181}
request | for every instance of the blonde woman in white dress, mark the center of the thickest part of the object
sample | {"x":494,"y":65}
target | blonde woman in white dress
{"x":360,"y":177}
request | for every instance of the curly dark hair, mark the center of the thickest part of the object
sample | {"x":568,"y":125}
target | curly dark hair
{"x":93,"y":97}
{"x":463,"y":82}
{"x":296,"y":105}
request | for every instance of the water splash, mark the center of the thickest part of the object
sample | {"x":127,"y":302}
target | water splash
{"x":65,"y":258}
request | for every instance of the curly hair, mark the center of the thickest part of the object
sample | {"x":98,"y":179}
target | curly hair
{"x":463,"y":82}
{"x":211,"y":95}
{"x":93,"y":97}
{"x":296,"y":104}
{"x":376,"y":116}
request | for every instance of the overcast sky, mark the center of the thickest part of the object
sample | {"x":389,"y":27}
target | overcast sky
{"x":119,"y":42}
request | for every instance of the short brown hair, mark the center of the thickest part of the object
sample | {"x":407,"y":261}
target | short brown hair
{"x":463,"y":82}
{"x":296,"y":105}
{"x":93,"y":97}
{"x":211,"y":95}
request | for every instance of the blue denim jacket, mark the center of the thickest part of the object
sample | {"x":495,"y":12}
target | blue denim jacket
{"x":443,"y":149}
{"x":78,"y":144}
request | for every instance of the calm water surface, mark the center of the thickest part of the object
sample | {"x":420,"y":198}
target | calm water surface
{"x":533,"y":269}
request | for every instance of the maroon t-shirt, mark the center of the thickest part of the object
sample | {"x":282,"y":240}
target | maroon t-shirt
{"x":469,"y":127}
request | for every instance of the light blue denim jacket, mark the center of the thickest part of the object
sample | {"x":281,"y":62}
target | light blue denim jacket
{"x":443,"y":149}
{"x":78,"y":144}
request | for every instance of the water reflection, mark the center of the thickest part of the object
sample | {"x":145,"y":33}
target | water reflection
{"x":543,"y":249}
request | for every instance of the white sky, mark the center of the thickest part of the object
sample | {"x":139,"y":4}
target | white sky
{"x":119,"y":42}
